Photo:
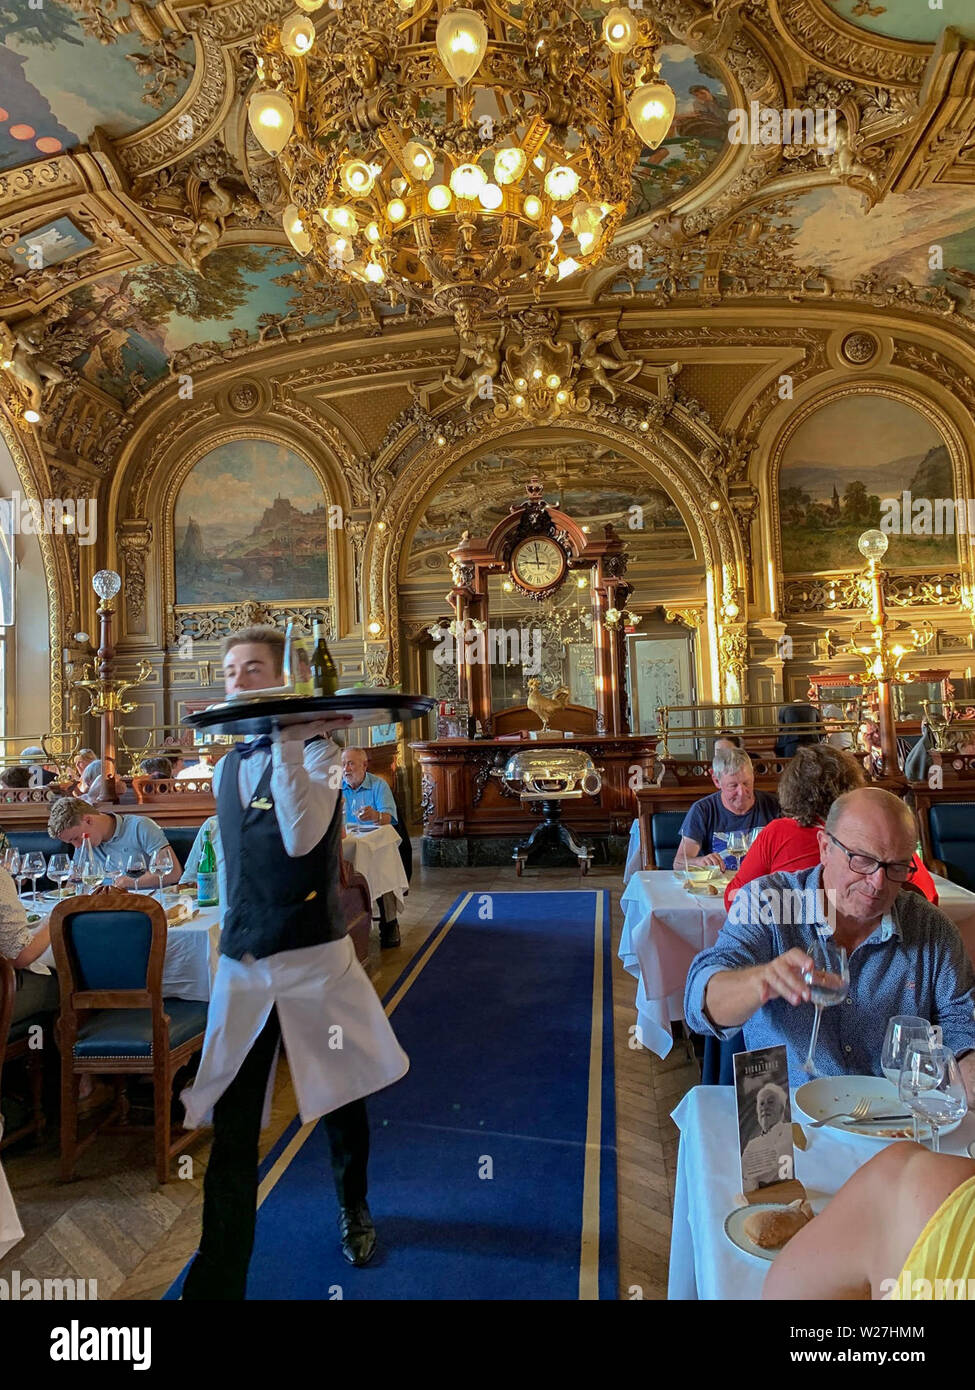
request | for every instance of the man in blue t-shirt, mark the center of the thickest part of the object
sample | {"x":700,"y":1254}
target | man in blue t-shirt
{"x":735,"y":806}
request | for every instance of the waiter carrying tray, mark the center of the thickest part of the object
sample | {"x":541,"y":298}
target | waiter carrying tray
{"x":287,"y":970}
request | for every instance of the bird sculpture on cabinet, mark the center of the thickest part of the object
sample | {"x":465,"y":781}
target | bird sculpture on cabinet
{"x":543,"y":705}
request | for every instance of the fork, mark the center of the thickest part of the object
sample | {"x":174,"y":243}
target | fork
{"x":860,"y":1111}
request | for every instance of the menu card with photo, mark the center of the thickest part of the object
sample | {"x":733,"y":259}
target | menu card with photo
{"x":765,"y":1125}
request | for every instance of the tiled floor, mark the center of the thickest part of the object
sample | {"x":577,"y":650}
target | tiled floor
{"x":114,"y":1224}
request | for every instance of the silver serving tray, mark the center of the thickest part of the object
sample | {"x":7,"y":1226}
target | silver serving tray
{"x":264,"y":713}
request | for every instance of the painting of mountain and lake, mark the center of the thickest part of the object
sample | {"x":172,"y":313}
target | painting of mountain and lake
{"x":839,"y":466}
{"x":251,"y":522}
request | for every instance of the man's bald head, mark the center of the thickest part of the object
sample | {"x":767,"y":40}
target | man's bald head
{"x":877,"y":812}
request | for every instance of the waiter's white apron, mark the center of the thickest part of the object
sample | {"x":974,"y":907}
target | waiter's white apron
{"x":338,"y":1039}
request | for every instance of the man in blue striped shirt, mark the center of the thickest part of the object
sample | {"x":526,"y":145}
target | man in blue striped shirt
{"x":905,"y":956}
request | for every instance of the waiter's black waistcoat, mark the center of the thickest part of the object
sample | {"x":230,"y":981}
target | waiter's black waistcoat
{"x":274,"y":902}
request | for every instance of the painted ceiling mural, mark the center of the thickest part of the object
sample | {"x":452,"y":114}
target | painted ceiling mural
{"x":57,"y":82}
{"x":914,"y":20}
{"x":133,"y":330}
{"x":594,"y":485}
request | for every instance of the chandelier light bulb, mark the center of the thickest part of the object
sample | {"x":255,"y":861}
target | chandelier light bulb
{"x":462,"y":39}
{"x":553,"y":381}
{"x":532,"y":207}
{"x":519,"y":401}
{"x":467,"y":180}
{"x":294,"y":229}
{"x":31,"y":416}
{"x":536,"y":374}
{"x":341,"y":219}
{"x":521,"y":384}
{"x":651,"y":111}
{"x":420,"y":161}
{"x":271,"y":119}
{"x":405,"y":4}
{"x":396,"y":210}
{"x":561,"y":183}
{"x":358,"y":178}
{"x":509,"y":165}
{"x":375,"y":273}
{"x":557,"y":227}
{"x":440,"y":197}
{"x":297,"y":36}
{"x":309,"y":6}
{"x":399,"y":186}
{"x":340,"y":246}
{"x":568,"y":267}
{"x":491,"y":196}
{"x":373,"y":233}
{"x":561,"y":397}
{"x":619,"y":31}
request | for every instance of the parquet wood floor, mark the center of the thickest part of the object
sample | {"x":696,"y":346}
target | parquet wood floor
{"x":114,"y":1224}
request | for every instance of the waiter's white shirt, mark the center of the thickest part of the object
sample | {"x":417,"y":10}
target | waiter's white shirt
{"x":338,"y":1039}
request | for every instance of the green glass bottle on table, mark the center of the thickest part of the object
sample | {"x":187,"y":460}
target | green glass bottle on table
{"x":324,"y":676}
{"x":207,"y":894}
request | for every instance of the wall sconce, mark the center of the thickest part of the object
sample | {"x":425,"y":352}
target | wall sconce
{"x":374,"y":627}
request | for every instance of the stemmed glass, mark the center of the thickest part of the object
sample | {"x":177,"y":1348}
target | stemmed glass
{"x":114,"y":865}
{"x":135,"y":867}
{"x":932,"y":1088}
{"x":737,"y":846}
{"x":59,"y":869}
{"x":20,"y":871}
{"x":9,"y":860}
{"x":902,"y":1032}
{"x":161,"y":864}
{"x":829,"y":981}
{"x":34,"y":866}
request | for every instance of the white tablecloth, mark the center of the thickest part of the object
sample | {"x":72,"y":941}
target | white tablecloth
{"x":375,"y":855}
{"x":703,"y":1261}
{"x":664,"y":928}
{"x":191,"y":956}
{"x":633,"y":856}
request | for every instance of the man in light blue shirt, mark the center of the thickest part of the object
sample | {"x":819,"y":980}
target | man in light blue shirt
{"x":114,"y":839}
{"x":369,"y":801}
{"x":905,"y":956}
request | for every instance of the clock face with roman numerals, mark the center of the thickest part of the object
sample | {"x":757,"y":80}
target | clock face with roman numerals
{"x":538,"y":563}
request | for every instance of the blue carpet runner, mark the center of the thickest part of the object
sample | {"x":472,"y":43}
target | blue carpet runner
{"x":481,"y":1181}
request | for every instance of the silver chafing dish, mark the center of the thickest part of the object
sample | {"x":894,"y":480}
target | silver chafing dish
{"x":552,"y":774}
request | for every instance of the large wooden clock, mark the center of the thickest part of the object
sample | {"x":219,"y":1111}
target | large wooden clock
{"x":538,"y":565}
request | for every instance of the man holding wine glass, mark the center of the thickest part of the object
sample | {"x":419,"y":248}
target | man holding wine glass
{"x":843,"y":934}
{"x":115,"y":840}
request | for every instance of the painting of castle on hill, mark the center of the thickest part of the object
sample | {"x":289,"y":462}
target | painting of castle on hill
{"x":251,"y":521}
{"x":840,"y":465}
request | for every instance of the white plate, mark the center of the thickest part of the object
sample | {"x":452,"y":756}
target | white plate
{"x":828,"y":1095}
{"x":734,"y":1229}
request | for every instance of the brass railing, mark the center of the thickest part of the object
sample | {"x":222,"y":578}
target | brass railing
{"x":741,"y":719}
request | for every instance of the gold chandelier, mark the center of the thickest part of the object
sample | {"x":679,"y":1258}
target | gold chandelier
{"x":455,"y":155}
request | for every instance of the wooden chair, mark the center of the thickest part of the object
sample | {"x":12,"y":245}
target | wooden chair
{"x":17,"y":1048}
{"x":109,"y":949}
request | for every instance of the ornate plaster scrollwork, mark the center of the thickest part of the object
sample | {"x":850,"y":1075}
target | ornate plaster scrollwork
{"x":134,"y":540}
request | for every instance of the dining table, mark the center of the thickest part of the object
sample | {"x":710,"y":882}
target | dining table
{"x":374,"y":853}
{"x":191,"y":950}
{"x":665,"y":926}
{"x":704,"y":1261}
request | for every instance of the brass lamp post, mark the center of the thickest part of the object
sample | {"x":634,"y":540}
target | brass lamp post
{"x":104,"y":689}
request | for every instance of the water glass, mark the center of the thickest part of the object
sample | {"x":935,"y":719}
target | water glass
{"x":829,"y":981}
{"x":161,"y":864}
{"x":902,"y":1031}
{"x":59,"y":870}
{"x":932,"y":1087}
{"x":34,"y":865}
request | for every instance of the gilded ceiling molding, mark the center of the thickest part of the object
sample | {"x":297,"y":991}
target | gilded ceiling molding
{"x":192,"y":122}
{"x":825,"y":38}
{"x":912,"y":395}
{"x":939,"y":147}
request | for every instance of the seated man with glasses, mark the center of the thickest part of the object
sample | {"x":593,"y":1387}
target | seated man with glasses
{"x":905,"y":956}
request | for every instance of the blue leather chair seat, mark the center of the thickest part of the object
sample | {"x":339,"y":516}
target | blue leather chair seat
{"x":181,"y":839}
{"x":128,"y":1032}
{"x":952,"y":827}
{"x":665,"y":834}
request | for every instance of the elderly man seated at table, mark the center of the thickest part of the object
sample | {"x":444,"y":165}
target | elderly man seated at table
{"x":114,"y":839}
{"x":905,"y":956}
{"x":735,"y":806}
{"x":369,"y":801}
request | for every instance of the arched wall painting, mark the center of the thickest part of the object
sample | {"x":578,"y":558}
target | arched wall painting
{"x":251,"y":523}
{"x":845,"y":467}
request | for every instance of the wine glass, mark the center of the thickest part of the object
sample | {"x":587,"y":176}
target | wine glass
{"x":932,"y":1088}
{"x":112,"y":872}
{"x":59,"y":869}
{"x":34,"y":866}
{"x":829,"y":981}
{"x":737,"y":847}
{"x":902,"y":1031}
{"x":9,"y":859}
{"x":89,"y":873}
{"x":135,"y":867}
{"x":161,"y":864}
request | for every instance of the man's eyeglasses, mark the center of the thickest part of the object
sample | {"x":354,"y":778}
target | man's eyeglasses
{"x":897,"y":871}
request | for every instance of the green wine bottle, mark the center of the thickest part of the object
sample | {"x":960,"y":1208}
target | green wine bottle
{"x":207,"y":894}
{"x":325,"y":678}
